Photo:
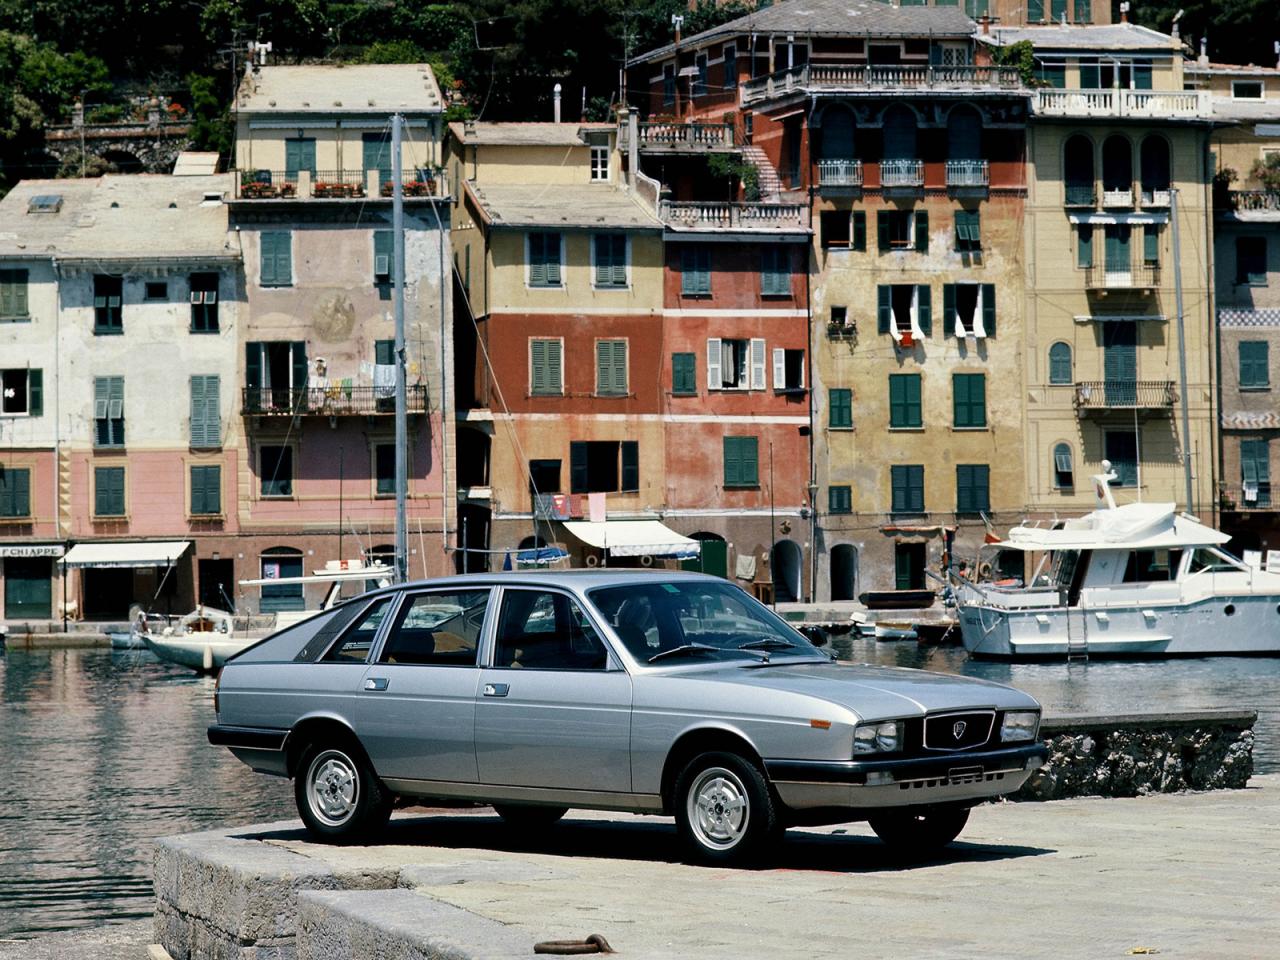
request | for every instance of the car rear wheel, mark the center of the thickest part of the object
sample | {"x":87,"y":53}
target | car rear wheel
{"x":724,"y":809}
{"x":523,"y":817}
{"x":339,"y":797}
{"x":918,"y":832}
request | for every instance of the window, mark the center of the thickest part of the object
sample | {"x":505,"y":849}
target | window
{"x":968,"y":231}
{"x":1051,"y":74}
{"x":15,"y":492}
{"x":383,"y":252}
{"x":836,"y":229}
{"x":611,"y":259}
{"x":1084,"y":246}
{"x":1151,"y":245}
{"x":384,"y":469}
{"x":840,"y":322}
{"x":909,"y":565}
{"x":973,"y":488}
{"x":1255,"y":471}
{"x":275,"y":375}
{"x":108,"y":411}
{"x":206,"y":491}
{"x":543,"y":630}
{"x":908,"y":488}
{"x":276,"y":258}
{"x":741,"y":462}
{"x":21,"y":393}
{"x":730,"y":66}
{"x":1121,"y":448}
{"x":442,"y":629}
{"x":668,"y":83}
{"x":544,"y":259}
{"x":788,"y":370}
{"x":275,"y":468}
{"x":904,"y":401}
{"x":544,"y":476}
{"x":358,"y":639}
{"x":108,"y":314}
{"x":1255,"y":367}
{"x":155,"y":290}
{"x":969,"y":396}
{"x":299,"y":154}
{"x":695,"y":272}
{"x":206,"y":420}
{"x":840,"y":408}
{"x":599,"y":162}
{"x":546,"y":376}
{"x":775,"y":272}
{"x":969,"y":309}
{"x":684,"y":378}
{"x":611,"y":368}
{"x":604,"y":466}
{"x":375,"y":155}
{"x":13,"y":295}
{"x":902,"y":230}
{"x":204,"y":302}
{"x":278,"y":563}
{"x":904,"y":310}
{"x":700,"y":78}
{"x":1246,"y":90}
{"x":1063,"y":476}
{"x":1060,"y":364}
{"x":839,"y":499}
{"x":1251,"y":260}
{"x":108,"y":492}
{"x":735,"y":364}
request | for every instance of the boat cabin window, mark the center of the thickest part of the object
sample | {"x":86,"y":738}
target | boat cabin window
{"x":1064,"y":568}
{"x":1152,"y":566}
{"x":1213,"y":561}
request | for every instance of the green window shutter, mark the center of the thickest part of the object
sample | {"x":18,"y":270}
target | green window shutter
{"x":750,"y":464}
{"x":206,"y":425}
{"x":948,"y":309}
{"x":538,"y":379}
{"x":921,"y":227}
{"x":904,"y":400}
{"x":883,"y":307}
{"x":630,"y":466}
{"x":1089,"y":76}
{"x":15,"y":492}
{"x":900,"y":501}
{"x":277,"y":258}
{"x":839,"y":499}
{"x":577,"y":467}
{"x":604,"y":259}
{"x":1035,"y":11}
{"x":109,"y":500}
{"x":969,"y":396}
{"x":206,"y":490}
{"x":960,"y":400}
{"x":840,"y":408}
{"x":1084,"y":246}
{"x":859,"y":230}
{"x":384,"y":352}
{"x":914,"y":406}
{"x":13,"y":294}
{"x":537,"y":260}
{"x":741,"y":467}
{"x":253,"y":375}
{"x":35,"y":393}
{"x":964,"y":489}
{"x":555,"y":381}
{"x":684,"y":374}
{"x":604,"y":366}
{"x":267,"y":259}
{"x":1254,"y":363}
{"x":882,"y":231}
{"x":924,"y":310}
{"x":618,"y":382}
{"x":989,"y":308}
{"x":732,"y":463}
{"x":1142,"y":76}
{"x":298,"y":365}
{"x":775,"y":273}
{"x":551,"y":249}
{"x":1151,"y":245}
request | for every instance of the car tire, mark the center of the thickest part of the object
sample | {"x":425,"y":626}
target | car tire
{"x":339,"y":797}
{"x":920,"y":832}
{"x":528,"y":817}
{"x":725,"y":811}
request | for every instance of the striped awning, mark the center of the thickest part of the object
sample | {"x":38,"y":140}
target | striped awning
{"x":1251,"y":420}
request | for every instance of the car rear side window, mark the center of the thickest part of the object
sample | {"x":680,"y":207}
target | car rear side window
{"x":354,"y":645}
{"x":438,"y":628}
{"x":323,"y":628}
{"x":544,"y":630}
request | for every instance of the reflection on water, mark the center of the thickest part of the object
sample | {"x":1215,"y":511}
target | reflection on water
{"x":101,"y":752}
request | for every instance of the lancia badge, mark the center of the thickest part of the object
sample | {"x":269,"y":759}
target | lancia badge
{"x":957,"y":729}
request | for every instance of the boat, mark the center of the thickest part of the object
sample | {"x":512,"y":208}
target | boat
{"x":1135,"y":580}
{"x":207,"y":637}
{"x":896,"y":599}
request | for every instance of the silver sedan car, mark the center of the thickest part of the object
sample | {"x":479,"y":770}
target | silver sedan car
{"x":661,"y":693}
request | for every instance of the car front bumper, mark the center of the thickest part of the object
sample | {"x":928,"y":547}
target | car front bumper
{"x":874,"y":784}
{"x":262,"y":748}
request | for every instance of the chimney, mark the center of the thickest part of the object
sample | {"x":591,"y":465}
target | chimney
{"x":986,"y":25}
{"x":1124,"y":13}
{"x":555,"y":99}
{"x":1204,"y":52}
{"x":677,"y":21}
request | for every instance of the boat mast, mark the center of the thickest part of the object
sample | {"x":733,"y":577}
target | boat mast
{"x":402,"y":424}
{"x":1182,"y":345}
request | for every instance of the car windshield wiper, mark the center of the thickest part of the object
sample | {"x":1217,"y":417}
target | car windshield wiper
{"x":767,"y":643}
{"x":683,"y":649}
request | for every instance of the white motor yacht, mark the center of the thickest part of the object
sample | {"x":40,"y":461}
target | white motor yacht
{"x":1136,"y":580}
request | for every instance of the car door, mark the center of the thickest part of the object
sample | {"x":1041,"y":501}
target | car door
{"x":554,"y":709}
{"x":416,"y":712}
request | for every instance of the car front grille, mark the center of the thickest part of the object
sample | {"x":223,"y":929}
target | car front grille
{"x":959,"y":731}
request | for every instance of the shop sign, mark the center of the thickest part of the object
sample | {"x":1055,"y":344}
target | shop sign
{"x":32,"y":549}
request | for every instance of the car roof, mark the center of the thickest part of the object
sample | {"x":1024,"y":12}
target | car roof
{"x":577,"y":580}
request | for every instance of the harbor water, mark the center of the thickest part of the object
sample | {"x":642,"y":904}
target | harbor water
{"x":103,"y":751}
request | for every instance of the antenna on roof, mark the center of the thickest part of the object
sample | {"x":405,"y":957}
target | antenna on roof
{"x":677,"y":21}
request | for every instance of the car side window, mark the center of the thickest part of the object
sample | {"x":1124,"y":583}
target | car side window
{"x":544,"y":630}
{"x":353,"y":646}
{"x":438,"y":628}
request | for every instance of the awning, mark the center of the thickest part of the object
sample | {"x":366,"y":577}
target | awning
{"x":635,"y":538}
{"x":126,"y":553}
{"x":1106,"y":218}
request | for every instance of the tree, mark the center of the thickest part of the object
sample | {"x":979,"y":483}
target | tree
{"x":1239,"y":31}
{"x":210,"y":123}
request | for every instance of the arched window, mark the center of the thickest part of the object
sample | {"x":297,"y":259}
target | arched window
{"x":964,"y":135}
{"x":1117,"y":165}
{"x":278,"y":563}
{"x":837,"y":134}
{"x":899,"y":134}
{"x":1063,"y":478}
{"x":1155,"y":171}
{"x":1077,"y":167}
{"x":1060,"y":363}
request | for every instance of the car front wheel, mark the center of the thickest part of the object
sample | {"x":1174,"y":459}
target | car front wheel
{"x":339,"y":797}
{"x":724,"y":810}
{"x":920,"y":832}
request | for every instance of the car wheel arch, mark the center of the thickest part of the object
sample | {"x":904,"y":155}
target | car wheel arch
{"x":317,"y":729}
{"x":697,"y":741}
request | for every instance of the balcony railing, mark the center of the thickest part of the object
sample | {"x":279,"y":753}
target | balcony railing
{"x":1246,"y":496}
{"x":1098,"y":396}
{"x":335,"y":184}
{"x":1080,"y":195}
{"x":901,"y":173}
{"x":968,"y":173}
{"x":1254,"y":200}
{"x":1118,"y":198}
{"x":1141,"y":104}
{"x":839,"y":173}
{"x":764,"y":217}
{"x":266,"y":185}
{"x":332,"y":400}
{"x":1155,"y":199}
{"x":864,"y":78}
{"x":1119,"y":276}
{"x":681,"y":136}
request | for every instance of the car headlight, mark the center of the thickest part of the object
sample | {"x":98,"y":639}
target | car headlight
{"x":1019,"y":725}
{"x":878,"y":737}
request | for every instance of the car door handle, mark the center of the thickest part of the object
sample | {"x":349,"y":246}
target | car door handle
{"x":495,"y":689}
{"x":376,"y":683}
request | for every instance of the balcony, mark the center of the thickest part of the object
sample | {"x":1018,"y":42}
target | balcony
{"x":1117,"y":199}
{"x":1251,"y":204}
{"x":334,"y":400}
{"x":839,"y":173}
{"x":335,"y":185}
{"x":1246,"y":496}
{"x":1120,"y":276}
{"x":1122,"y":104}
{"x":850,"y":79}
{"x":701,"y":215}
{"x":968,"y":174}
{"x":1080,"y":195}
{"x":1156,"y":199}
{"x":901,"y":174}
{"x":681,"y":137}
{"x":1100,"y":396}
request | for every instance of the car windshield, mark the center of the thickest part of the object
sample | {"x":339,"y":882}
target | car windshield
{"x":697,"y":621}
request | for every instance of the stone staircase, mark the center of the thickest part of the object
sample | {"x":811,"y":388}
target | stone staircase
{"x":770,"y":182}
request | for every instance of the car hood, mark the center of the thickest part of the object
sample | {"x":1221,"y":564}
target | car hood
{"x":872,"y":691}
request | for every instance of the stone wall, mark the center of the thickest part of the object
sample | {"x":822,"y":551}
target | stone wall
{"x":1134,"y":755}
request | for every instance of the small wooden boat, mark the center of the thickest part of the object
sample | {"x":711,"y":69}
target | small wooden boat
{"x":896,"y":599}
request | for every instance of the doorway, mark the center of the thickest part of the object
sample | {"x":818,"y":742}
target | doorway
{"x":217,"y":584}
{"x":844,"y":571}
{"x":28,"y":588}
{"x":786,"y":560}
{"x":908,"y":565}
{"x":713,"y":558}
{"x":108,"y":592}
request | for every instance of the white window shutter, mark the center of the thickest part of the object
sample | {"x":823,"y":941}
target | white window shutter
{"x":916,"y":332}
{"x":979,"y":330}
{"x":714,"y":379}
{"x":779,"y":368}
{"x":757,"y":364}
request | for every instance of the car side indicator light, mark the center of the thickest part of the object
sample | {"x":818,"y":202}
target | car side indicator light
{"x":820,"y":724}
